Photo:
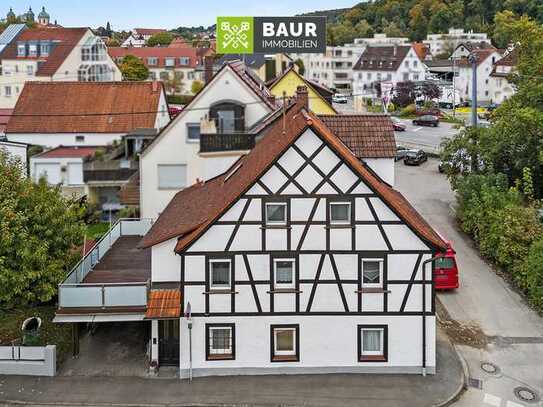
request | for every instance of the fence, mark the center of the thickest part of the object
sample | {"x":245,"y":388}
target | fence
{"x":28,"y":360}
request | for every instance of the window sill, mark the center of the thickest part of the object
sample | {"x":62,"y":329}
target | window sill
{"x":372,"y":290}
{"x":339,"y":226}
{"x":372,"y":358}
{"x":220,"y":357}
{"x":275,"y":227}
{"x":285,"y":358}
{"x":285,"y":291}
{"x":212,"y":292}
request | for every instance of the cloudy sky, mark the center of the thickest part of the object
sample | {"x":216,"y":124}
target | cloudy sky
{"x":126,"y":14}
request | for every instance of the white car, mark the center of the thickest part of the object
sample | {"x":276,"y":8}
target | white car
{"x":339,"y":98}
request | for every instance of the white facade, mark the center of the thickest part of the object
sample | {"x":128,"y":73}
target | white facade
{"x":485,"y":90}
{"x":64,"y":171}
{"x":76,"y":67}
{"x":173,"y":147}
{"x":328,"y":288}
{"x":135,"y":41}
{"x":440,"y":43}
{"x":410,"y":69}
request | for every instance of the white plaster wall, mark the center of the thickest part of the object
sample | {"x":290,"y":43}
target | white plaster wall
{"x":318,"y":349}
{"x":61,"y":162}
{"x":384,"y":167}
{"x":165,"y":264}
{"x":172,"y":146}
{"x":51,"y":140}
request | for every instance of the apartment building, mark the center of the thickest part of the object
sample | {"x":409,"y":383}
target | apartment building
{"x":440,"y":43}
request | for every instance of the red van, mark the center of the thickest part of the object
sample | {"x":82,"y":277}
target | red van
{"x":446,"y":270}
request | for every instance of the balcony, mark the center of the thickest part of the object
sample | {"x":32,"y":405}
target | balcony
{"x":218,"y":142}
{"x":113,"y":277}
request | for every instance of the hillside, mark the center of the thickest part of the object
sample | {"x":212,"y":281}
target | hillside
{"x":416,"y":18}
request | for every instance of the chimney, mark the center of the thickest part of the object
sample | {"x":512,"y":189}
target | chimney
{"x":302,"y":98}
{"x":208,"y":68}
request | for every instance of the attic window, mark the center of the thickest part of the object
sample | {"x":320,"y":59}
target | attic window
{"x":237,"y":167}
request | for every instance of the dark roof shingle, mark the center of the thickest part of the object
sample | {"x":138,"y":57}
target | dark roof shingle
{"x":383,"y":58}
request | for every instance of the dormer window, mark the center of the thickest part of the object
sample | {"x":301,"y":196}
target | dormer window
{"x":21,"y":50}
{"x":44,"y":50}
{"x":33,"y":50}
{"x":184,"y":61}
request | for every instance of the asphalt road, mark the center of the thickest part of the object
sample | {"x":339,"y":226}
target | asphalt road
{"x":484,"y":301}
{"x":427,"y":138}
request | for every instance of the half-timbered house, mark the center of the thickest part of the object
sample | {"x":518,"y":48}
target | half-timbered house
{"x":298,"y":258}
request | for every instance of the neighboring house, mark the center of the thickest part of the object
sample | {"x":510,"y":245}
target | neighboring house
{"x":422,"y":50}
{"x":336,"y":250}
{"x":52,"y":114}
{"x":265,"y":66}
{"x":5,"y":114}
{"x":379,"y":65}
{"x":165,"y":63}
{"x":486,"y":58}
{"x":17,"y":150}
{"x":465,"y":48}
{"x":139,"y":36}
{"x":209,"y":134}
{"x":440,"y":43}
{"x":288,"y":82}
{"x":500,"y":86}
{"x":62,"y":166}
{"x":53,"y":54}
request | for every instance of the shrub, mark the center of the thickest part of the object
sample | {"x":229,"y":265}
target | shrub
{"x":409,"y":110}
{"x":529,"y":274}
{"x":179,"y":99}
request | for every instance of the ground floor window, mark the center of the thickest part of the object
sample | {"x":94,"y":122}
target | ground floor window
{"x":285,"y":343}
{"x":372,"y":343}
{"x":220,"y":341}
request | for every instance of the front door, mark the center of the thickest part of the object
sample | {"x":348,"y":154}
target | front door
{"x":168,"y":342}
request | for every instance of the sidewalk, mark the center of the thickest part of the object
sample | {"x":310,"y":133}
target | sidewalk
{"x":308,"y":390}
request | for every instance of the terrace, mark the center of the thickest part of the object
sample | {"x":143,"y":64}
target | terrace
{"x":112,"y":278}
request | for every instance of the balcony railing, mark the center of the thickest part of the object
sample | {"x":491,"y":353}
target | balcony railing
{"x":226,"y":142}
{"x":74,"y":293}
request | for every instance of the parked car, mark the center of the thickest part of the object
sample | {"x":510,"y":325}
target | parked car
{"x":427,"y":120}
{"x":397,"y":124}
{"x":432,"y":111}
{"x":401,"y":152}
{"x":339,"y":98}
{"x":446,"y":270}
{"x":415,"y":157}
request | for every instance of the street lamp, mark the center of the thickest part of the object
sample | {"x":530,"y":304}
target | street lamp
{"x":472,"y":59}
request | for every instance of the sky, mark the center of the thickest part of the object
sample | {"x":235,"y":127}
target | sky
{"x":127,"y":14}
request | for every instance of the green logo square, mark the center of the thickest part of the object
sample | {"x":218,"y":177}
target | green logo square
{"x":235,"y":35}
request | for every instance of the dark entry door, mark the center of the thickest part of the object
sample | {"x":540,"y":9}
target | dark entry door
{"x":168,"y":342}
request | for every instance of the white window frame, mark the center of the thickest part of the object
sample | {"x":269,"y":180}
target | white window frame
{"x":225,"y":352}
{"x":284,"y":285}
{"x":380,"y":352}
{"x":277,"y":352}
{"x":193,"y":125}
{"x":220,"y":286}
{"x":21,"y":47}
{"x":381,"y":267}
{"x":341,"y":222}
{"x":274,"y":222}
{"x":7,"y":91}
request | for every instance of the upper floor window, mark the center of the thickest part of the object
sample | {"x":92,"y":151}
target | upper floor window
{"x":229,"y":117}
{"x":30,"y":70}
{"x":44,"y":49}
{"x":276,"y":213}
{"x":33,"y":50}
{"x":372,"y":273}
{"x":283,"y":273}
{"x":21,"y":50}
{"x":7,"y":90}
{"x":369,"y":76}
{"x":406,"y":63}
{"x":94,"y":50}
{"x":169,"y":62}
{"x":340,"y":213}
{"x":152,"y":61}
{"x":415,"y":63}
{"x":219,"y":274}
{"x":406,"y":76}
{"x":193,"y":131}
{"x":184,"y":61}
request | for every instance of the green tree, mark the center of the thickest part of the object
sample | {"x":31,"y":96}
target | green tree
{"x":196,"y":87}
{"x":363,"y":29}
{"x":162,"y":39}
{"x":133,"y":69}
{"x":301,"y":67}
{"x":39,"y":230}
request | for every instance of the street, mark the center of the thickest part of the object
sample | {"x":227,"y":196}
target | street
{"x":427,"y":138}
{"x":484,"y":303}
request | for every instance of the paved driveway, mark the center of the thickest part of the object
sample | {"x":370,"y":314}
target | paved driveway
{"x":513,"y":332}
{"x":427,"y":138}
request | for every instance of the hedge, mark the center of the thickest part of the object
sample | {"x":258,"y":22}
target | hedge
{"x":179,"y":99}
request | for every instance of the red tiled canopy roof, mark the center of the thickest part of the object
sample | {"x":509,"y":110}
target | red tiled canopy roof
{"x":163,"y":304}
{"x":85,"y":107}
{"x":68,"y":152}
{"x":193,"y":210}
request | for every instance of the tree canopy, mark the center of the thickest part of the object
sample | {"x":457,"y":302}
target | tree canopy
{"x":133,"y":69}
{"x":162,"y":39}
{"x":39,"y":230}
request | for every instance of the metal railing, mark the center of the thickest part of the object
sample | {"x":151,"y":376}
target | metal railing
{"x":226,"y":142}
{"x":72,"y":292}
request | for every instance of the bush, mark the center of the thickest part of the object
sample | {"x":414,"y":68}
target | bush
{"x":409,"y":110}
{"x":179,"y":99}
{"x":529,"y":274}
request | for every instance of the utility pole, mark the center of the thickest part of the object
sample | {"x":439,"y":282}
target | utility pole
{"x":454,"y":87}
{"x":472,"y":58}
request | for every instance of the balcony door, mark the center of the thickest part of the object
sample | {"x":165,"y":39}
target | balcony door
{"x":168,"y":342}
{"x":227,"y":121}
{"x":229,"y":116}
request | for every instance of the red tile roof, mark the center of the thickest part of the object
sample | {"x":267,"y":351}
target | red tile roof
{"x":382,"y":58}
{"x":253,"y":81}
{"x":481,"y":53}
{"x":193,"y":210}
{"x":68,"y":152}
{"x":161,"y":53}
{"x":366,"y":135}
{"x":163,"y":304}
{"x":85,"y":107}
{"x":149,"y":31}
{"x":5,"y":114}
{"x":421,"y":49}
{"x":64,"y":41}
